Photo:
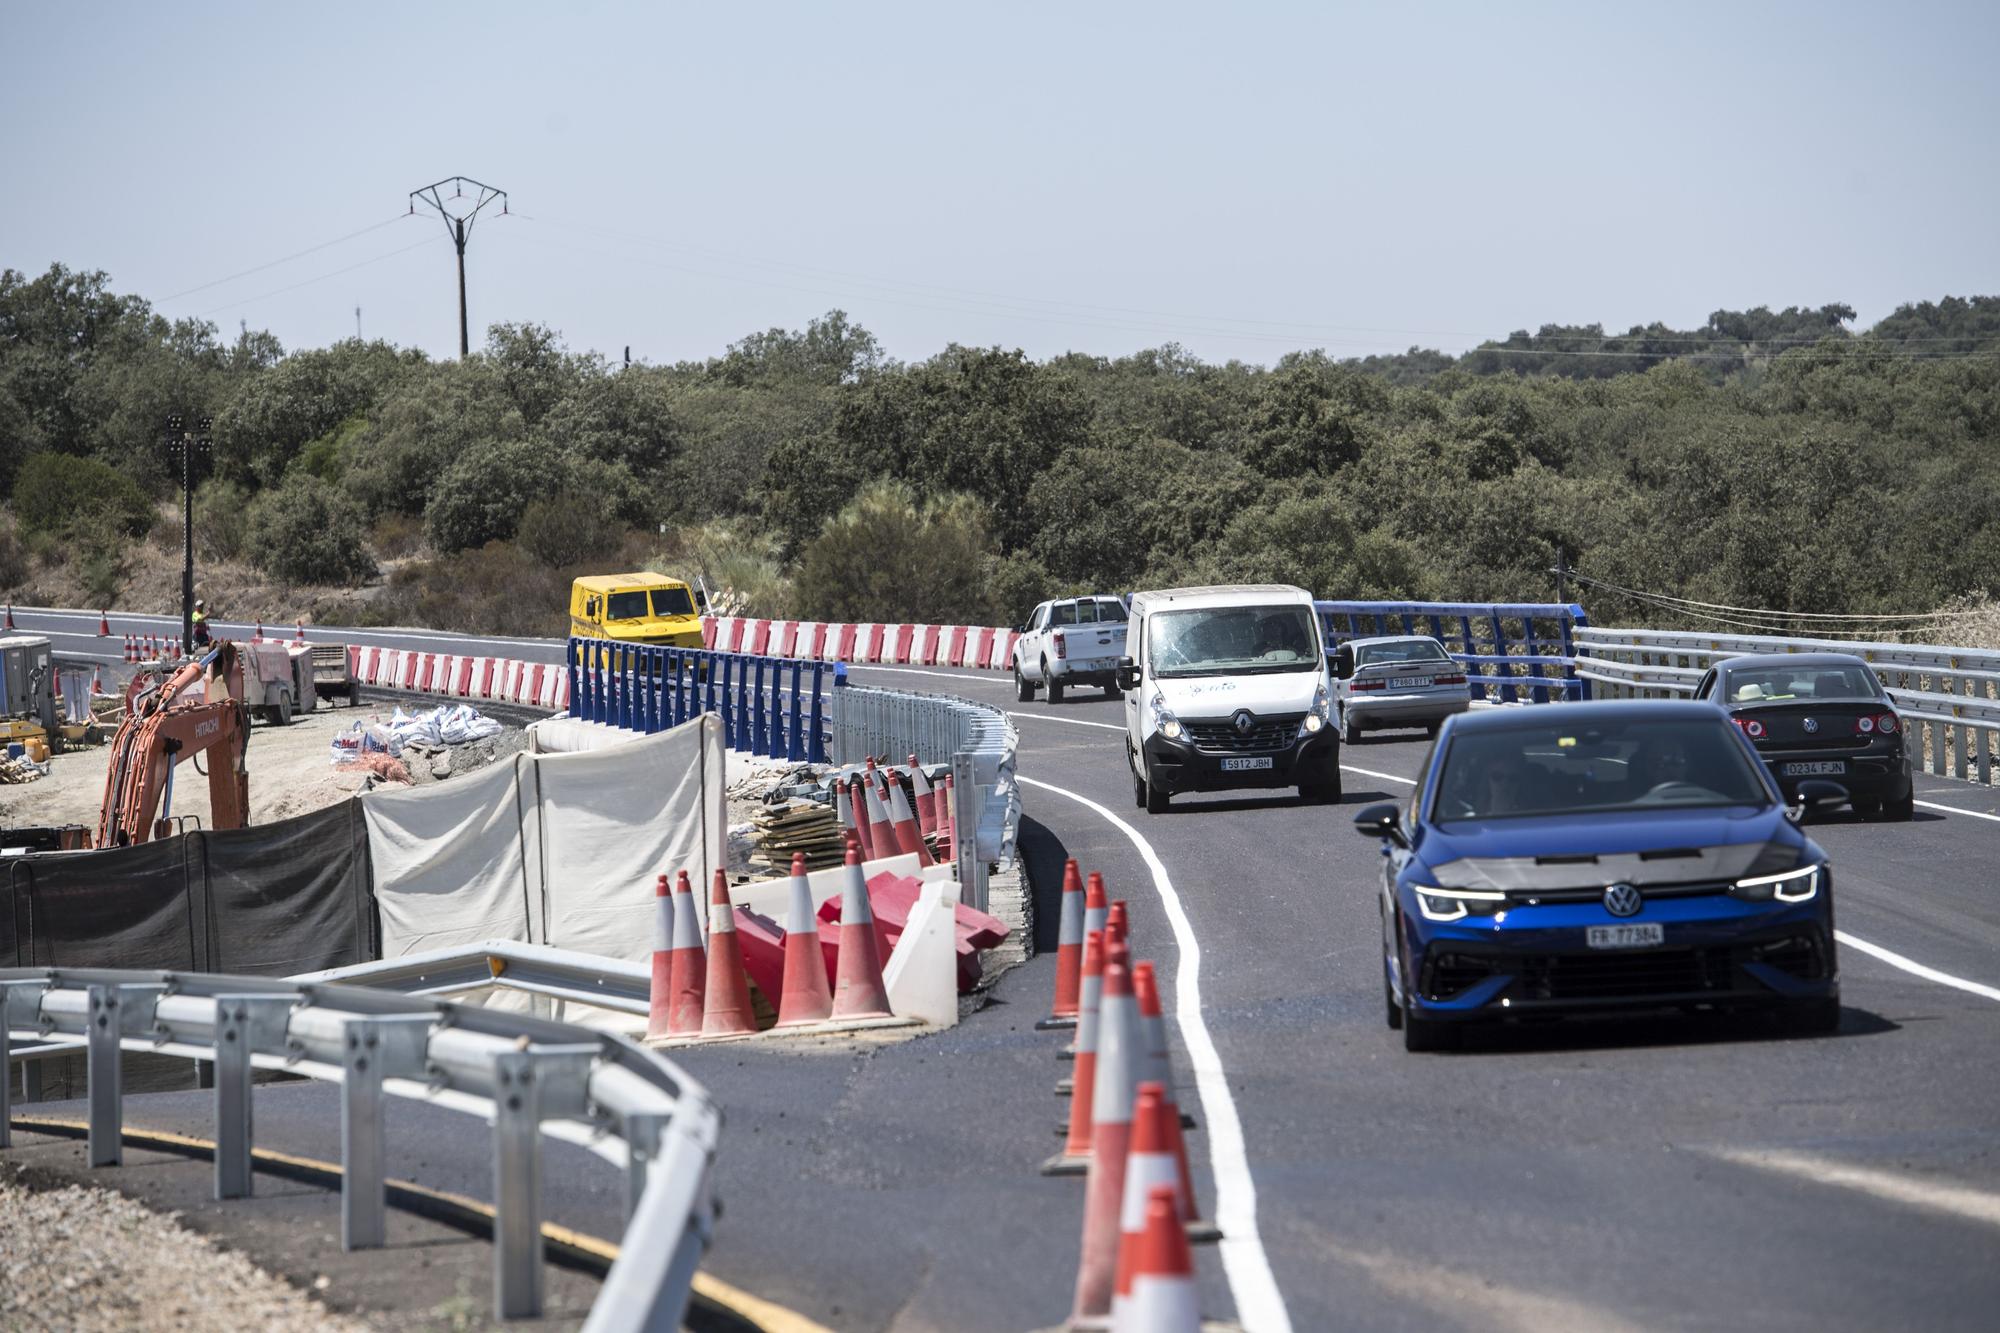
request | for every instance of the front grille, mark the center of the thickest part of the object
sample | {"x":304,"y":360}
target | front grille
{"x":1450,"y":973}
{"x":1622,"y":974}
{"x":1266,"y":733}
{"x":1799,"y":955}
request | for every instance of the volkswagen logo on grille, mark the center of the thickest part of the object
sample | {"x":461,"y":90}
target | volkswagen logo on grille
{"x":1243,"y":723}
{"x":1622,"y":900}
{"x":1811,"y":724}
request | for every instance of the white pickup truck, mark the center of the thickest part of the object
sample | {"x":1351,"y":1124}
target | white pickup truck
{"x":1070,"y":641}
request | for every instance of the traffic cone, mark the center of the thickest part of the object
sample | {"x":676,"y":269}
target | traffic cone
{"x":859,"y":992}
{"x":1075,"y":1154}
{"x":1163,"y":1298}
{"x":948,"y":820}
{"x":843,"y":810}
{"x":926,"y":801}
{"x":807,"y":998}
{"x":10,"y":615}
{"x":1096,"y":903}
{"x":689,"y":966}
{"x":660,"y":998}
{"x":881,"y":833}
{"x":726,"y":1008}
{"x":1118,"y":921}
{"x":1149,"y":1165}
{"x":259,"y":636}
{"x":909,"y":837}
{"x":1158,"y":1068}
{"x":302,"y":632}
{"x":131,"y":650}
{"x":1110,"y":1137}
{"x":103,"y":624}
{"x":1069,"y":953}
{"x":97,"y":680}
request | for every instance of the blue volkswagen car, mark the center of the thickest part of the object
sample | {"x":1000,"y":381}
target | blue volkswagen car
{"x":1576,"y":858}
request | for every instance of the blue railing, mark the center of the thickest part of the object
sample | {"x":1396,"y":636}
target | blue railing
{"x":1507,"y":647}
{"x":768,"y":706}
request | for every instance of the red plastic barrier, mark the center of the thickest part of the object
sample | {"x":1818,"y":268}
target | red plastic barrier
{"x":818,"y":644}
{"x":760,"y":638}
{"x":954,"y":648}
{"x":788,"y":633}
{"x":982,"y":651}
{"x":709,"y":626}
{"x":486,"y":679}
{"x":763,"y":944}
{"x":534,"y":690}
{"x":844,"y":646}
{"x":905,"y":635}
{"x":891,"y":897}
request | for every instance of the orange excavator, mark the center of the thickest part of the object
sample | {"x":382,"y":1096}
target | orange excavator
{"x":166,"y":723}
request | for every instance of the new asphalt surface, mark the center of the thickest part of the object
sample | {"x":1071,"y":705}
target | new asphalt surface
{"x":1635,"y":1173}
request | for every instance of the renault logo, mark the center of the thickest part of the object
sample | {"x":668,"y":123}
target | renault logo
{"x":1622,"y":900}
{"x":1243,"y":723}
{"x":1811,"y":724}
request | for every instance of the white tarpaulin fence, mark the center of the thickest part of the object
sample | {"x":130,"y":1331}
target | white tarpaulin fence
{"x":556,"y":849}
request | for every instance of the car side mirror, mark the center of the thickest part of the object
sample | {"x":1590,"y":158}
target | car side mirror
{"x":1381,"y":821}
{"x":1128,"y":674}
{"x":1816,"y":796}
{"x":1343,"y":662}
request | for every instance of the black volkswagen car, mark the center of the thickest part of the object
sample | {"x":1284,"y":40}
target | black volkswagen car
{"x":1819,"y":715}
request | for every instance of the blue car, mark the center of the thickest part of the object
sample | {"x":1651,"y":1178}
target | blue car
{"x":1579,"y":858}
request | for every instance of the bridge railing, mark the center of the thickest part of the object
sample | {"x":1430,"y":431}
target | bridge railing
{"x":1949,"y":698}
{"x":1513,"y":652}
{"x":525,"y":1076}
{"x":768,"y":706}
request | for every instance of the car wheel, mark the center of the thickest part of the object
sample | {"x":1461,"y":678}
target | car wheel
{"x":1901,"y":811}
{"x":1023,"y":690}
{"x":1055,"y":686}
{"x":1391,"y":1010}
{"x":1431,"y":729}
{"x":1421,"y":1034}
{"x":1867,"y":809}
{"x":1350,"y":729}
{"x":1814,"y":1016}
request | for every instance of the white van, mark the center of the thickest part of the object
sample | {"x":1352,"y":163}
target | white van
{"x":1228,"y":688}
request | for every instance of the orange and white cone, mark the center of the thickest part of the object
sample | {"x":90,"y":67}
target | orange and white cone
{"x":1075,"y":1154}
{"x":725,"y":1006}
{"x":859,"y":992}
{"x":881,"y":835}
{"x":948,"y":820}
{"x":1149,"y":1165}
{"x":1159,"y":1068}
{"x":10,"y":615}
{"x":807,"y":997}
{"x":302,"y":632}
{"x":909,"y":837}
{"x":661,"y":997}
{"x":1163,"y":1298}
{"x":843,"y":807}
{"x":259,"y":636}
{"x":926,"y":798}
{"x":1096,"y":903}
{"x":1118,"y":922}
{"x":131,"y":650}
{"x":1110,"y":1137}
{"x":97,"y":680}
{"x":688,"y":966}
{"x":1069,"y":953}
{"x":103,"y":624}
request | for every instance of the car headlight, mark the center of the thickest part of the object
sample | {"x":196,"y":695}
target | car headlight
{"x":1164,"y":721}
{"x":1787,"y":886}
{"x":1456,"y":904}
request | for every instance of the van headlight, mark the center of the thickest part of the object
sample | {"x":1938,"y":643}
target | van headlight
{"x":1788,"y":886}
{"x":1315,"y":721}
{"x":1164,"y":721}
{"x":1456,"y":904}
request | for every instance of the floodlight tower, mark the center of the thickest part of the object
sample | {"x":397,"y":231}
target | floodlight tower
{"x":458,"y":217}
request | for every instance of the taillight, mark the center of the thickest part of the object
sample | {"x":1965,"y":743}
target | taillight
{"x":1369,"y":685}
{"x":1062,"y":645}
{"x":1447,"y":680}
{"x":1882,"y":722}
{"x":1750,"y":727}
{"x":1864,"y":724}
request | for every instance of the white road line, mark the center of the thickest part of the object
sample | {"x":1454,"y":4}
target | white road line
{"x":1915,"y":968}
{"x":992,"y":678}
{"x":1958,"y":1201}
{"x":1954,"y":810}
{"x":1386,"y":777}
{"x":1260,"y":1307}
{"x":1073,"y":721}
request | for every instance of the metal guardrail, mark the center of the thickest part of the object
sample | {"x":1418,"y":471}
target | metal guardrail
{"x":528,"y":1076}
{"x":977,"y":741}
{"x":768,"y":706}
{"x":1952,"y":695}
{"x":1507,"y":648}
{"x":562,"y":976}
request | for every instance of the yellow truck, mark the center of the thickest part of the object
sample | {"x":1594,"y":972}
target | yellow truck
{"x":635,"y":608}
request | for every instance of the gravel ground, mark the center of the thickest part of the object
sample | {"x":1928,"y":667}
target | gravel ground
{"x":74,"y":1260}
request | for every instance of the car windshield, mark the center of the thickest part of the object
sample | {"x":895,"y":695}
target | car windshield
{"x":625,"y":606}
{"x":1233,"y":640}
{"x":672,"y":602}
{"x":1781,"y":683}
{"x":1402,"y":650}
{"x":1580,"y":764}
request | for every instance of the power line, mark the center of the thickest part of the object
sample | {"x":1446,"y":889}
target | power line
{"x":251,"y":300}
{"x":301,"y":254}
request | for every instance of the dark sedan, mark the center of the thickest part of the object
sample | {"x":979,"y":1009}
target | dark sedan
{"x":1582,"y":857}
{"x":1819,"y":715}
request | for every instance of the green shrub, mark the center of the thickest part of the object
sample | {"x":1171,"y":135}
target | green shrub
{"x":397,"y":535}
{"x":885,"y":557}
{"x":305,"y":531}
{"x":13,"y":560}
{"x":497,"y":588}
{"x":568,"y":528}
{"x":221,"y":515}
{"x":481,"y":496}
{"x":61,"y":493}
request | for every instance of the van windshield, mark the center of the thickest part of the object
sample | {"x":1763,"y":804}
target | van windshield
{"x":1233,"y":640}
{"x":672,"y":602}
{"x":625,"y":605}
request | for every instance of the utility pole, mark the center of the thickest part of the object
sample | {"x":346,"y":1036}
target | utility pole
{"x":1562,"y":576}
{"x":458,"y":218}
{"x":187,"y":442}
{"x":357,"y":323}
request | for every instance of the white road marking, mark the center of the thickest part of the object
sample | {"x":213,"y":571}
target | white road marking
{"x":1073,"y":721}
{"x":1954,"y":810}
{"x":1917,"y":969}
{"x":1958,"y":1201}
{"x":990,"y":678}
{"x":1260,"y":1307}
{"x":1386,"y":777}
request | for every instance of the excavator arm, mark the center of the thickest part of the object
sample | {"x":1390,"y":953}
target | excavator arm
{"x":161,"y":731}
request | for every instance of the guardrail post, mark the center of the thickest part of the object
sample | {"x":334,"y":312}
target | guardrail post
{"x":816,"y":738}
{"x":116,"y":1011}
{"x":760,"y":722}
{"x":244,"y":1024}
{"x":795,"y":748}
{"x":20,"y":1006}
{"x":375,"y":1048}
{"x":575,"y":680}
{"x":965,"y":832}
{"x":642,"y":1141}
{"x":541,"y":1081}
{"x":744,"y":704}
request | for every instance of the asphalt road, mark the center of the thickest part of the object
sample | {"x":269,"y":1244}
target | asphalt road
{"x":1605,"y":1175}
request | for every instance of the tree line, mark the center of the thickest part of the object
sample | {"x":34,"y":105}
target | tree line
{"x":1769,"y":459}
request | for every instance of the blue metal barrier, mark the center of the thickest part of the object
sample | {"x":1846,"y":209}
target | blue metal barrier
{"x":1506,"y":647}
{"x":780,"y":712}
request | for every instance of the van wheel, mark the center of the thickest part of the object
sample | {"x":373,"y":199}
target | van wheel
{"x":1024,"y":692}
{"x":1138,"y":791}
{"x":1156,"y":798}
{"x":1321,"y":793}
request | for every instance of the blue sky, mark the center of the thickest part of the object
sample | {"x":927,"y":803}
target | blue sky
{"x":1242,"y":179}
